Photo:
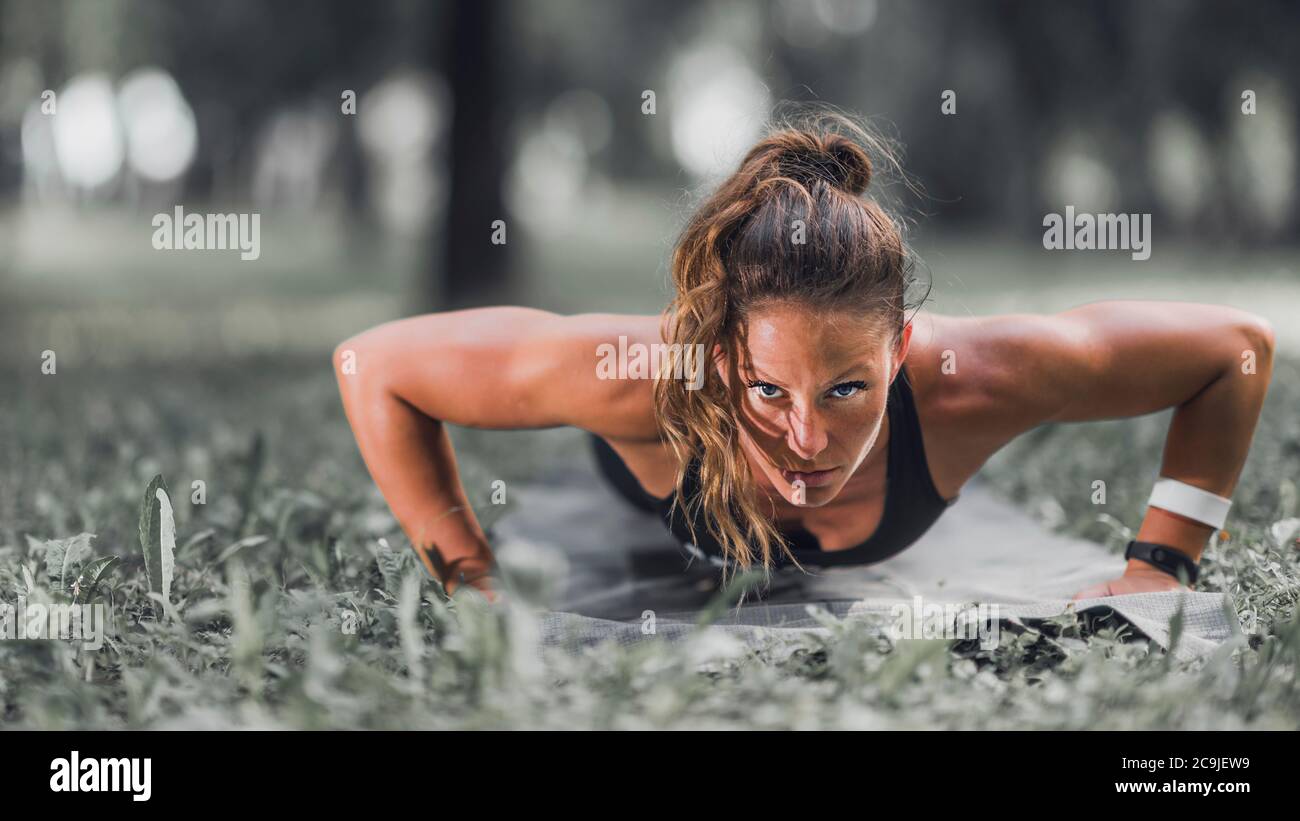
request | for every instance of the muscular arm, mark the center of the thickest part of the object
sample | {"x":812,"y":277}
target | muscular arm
{"x":1118,"y":359}
{"x":487,"y":368}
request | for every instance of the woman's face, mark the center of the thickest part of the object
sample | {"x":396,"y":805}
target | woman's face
{"x":811,"y":389}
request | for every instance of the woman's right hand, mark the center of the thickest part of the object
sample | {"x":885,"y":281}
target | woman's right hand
{"x":471,"y":572}
{"x":487,"y":588}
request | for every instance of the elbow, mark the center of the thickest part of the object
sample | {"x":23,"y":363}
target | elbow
{"x":344,"y":361}
{"x":362,"y":367}
{"x":1260,"y":337}
{"x":349,"y":360}
{"x":1255,"y":346}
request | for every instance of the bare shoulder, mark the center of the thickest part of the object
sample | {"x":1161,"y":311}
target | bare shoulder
{"x":510,"y":367}
{"x":1111,"y":359}
{"x":1010,"y":367}
{"x":946,"y":367}
{"x":594,"y":389}
{"x":621,"y":410}
{"x":978,"y":383}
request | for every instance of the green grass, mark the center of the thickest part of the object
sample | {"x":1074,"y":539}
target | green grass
{"x":286,"y":555}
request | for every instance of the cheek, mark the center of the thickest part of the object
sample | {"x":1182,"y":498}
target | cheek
{"x":767,"y":411}
{"x":857,"y":430}
{"x":763,"y":428}
{"x":762,"y":419}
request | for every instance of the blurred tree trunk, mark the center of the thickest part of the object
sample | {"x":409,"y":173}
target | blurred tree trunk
{"x":469,"y":267}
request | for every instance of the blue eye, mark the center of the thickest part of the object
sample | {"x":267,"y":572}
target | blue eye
{"x":847,"y":389}
{"x":766,"y":389}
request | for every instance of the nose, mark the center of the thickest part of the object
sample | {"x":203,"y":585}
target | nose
{"x":807,"y":435}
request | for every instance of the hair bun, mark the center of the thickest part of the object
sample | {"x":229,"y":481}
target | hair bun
{"x":832,"y":158}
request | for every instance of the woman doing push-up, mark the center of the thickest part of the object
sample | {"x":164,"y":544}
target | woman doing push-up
{"x":792,"y":405}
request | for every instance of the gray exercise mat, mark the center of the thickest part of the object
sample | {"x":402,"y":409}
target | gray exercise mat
{"x":613,"y":565}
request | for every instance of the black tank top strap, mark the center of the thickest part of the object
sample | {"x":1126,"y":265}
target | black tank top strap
{"x":912,"y":502}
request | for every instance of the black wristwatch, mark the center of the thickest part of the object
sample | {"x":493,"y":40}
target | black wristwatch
{"x":1164,"y":557}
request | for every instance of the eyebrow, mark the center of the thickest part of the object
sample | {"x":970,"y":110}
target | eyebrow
{"x":839,"y":380}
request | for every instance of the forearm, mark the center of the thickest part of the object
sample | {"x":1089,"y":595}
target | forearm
{"x":1207,"y":444}
{"x":410,"y":457}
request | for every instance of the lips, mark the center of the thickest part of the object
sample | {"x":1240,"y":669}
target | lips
{"x":816,"y":478}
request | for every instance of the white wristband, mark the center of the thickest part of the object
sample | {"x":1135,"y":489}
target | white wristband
{"x":1193,"y":502}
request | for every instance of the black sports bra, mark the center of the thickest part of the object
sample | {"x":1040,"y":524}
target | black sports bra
{"x":912,"y":503}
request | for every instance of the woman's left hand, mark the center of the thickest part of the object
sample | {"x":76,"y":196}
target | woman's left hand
{"x":1133,"y":581}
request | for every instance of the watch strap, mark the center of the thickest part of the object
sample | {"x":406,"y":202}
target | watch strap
{"x":1164,"y":557}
